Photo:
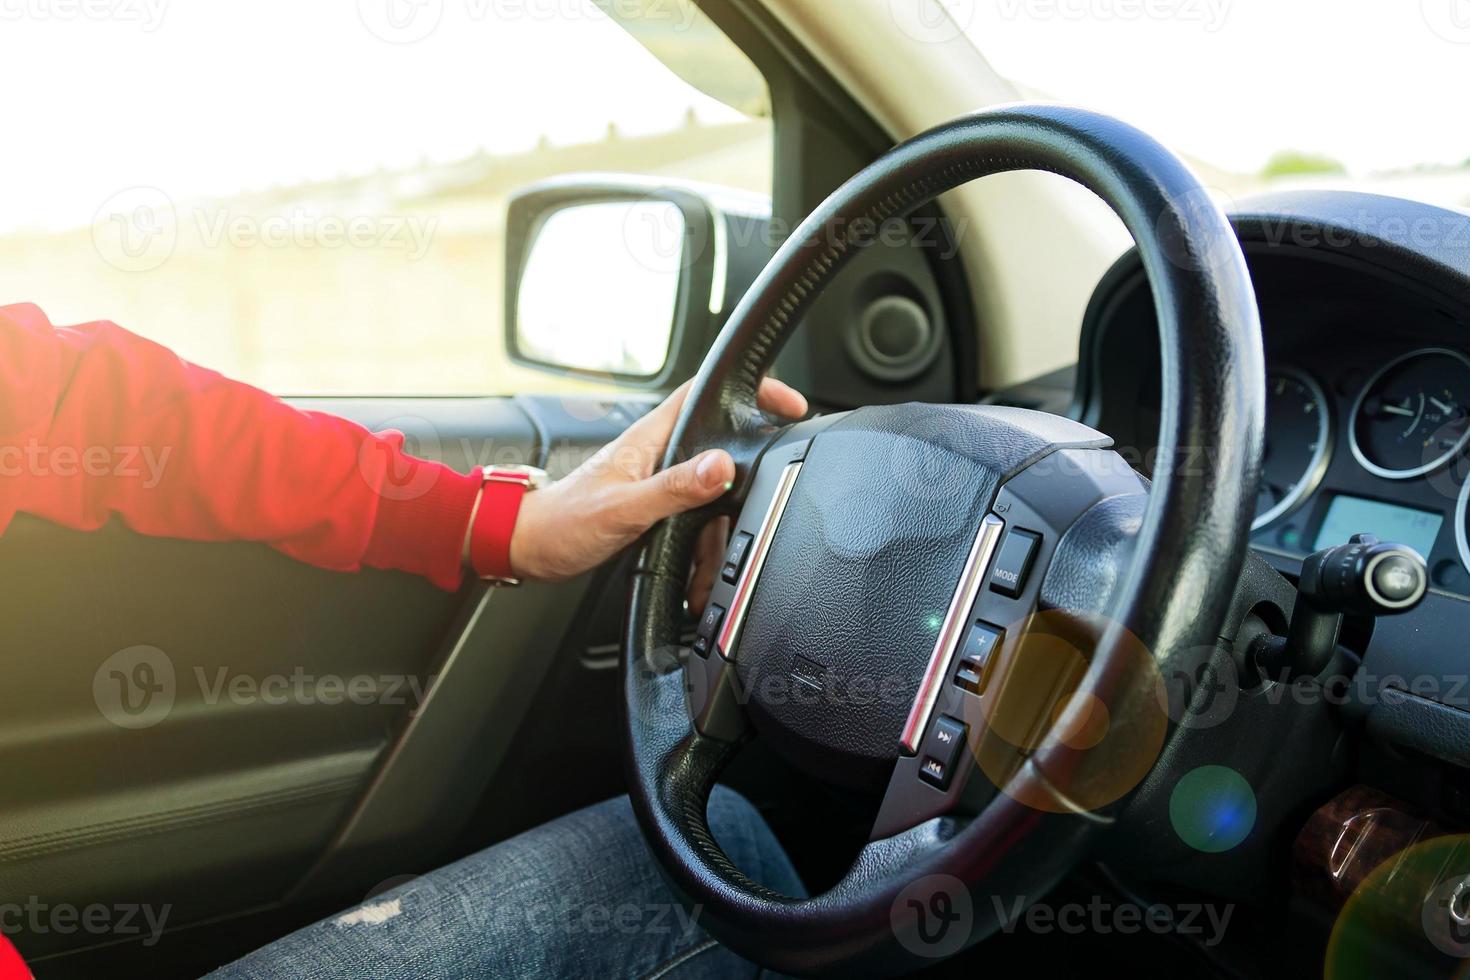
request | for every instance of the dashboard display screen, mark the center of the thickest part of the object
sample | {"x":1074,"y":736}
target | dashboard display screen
{"x":1389,"y":522}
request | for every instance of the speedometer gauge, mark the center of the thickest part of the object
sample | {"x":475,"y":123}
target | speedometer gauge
{"x":1412,"y":416}
{"x":1298,"y":440}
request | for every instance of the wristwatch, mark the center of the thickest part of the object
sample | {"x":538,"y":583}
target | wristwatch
{"x":495,"y":519}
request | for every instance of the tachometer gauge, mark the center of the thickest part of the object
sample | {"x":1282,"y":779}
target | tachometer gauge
{"x":1412,"y":416}
{"x":1298,"y":443}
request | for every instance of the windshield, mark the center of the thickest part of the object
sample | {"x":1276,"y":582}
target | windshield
{"x":1258,"y":94}
{"x":311,"y":196}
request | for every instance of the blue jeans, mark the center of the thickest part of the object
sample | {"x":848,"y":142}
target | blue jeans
{"x":578,"y":897}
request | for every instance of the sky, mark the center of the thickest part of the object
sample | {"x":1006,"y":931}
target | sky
{"x":209,"y":97}
{"x":206,"y":97}
{"x":1376,"y":84}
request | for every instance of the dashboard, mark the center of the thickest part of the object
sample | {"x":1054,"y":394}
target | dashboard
{"x":1367,"y":347}
{"x":1365,"y":327}
{"x":1365,"y":315}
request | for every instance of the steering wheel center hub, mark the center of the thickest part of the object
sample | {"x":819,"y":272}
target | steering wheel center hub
{"x":862,"y":571}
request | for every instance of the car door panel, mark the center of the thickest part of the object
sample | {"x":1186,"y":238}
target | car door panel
{"x":300,"y":731}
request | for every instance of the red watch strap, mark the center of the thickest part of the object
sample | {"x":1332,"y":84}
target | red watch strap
{"x":500,"y":505}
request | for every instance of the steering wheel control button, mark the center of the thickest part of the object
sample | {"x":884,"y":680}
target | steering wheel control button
{"x":1013,"y":564}
{"x":970,"y":676}
{"x":980,"y":646}
{"x":735,"y":557}
{"x":941,"y":751}
{"x":709,"y":627}
{"x":982,"y":642}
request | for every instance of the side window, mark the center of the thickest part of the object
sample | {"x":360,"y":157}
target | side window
{"x":312,"y":197}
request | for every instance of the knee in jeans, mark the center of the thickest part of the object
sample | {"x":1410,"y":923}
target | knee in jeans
{"x":748,"y":842}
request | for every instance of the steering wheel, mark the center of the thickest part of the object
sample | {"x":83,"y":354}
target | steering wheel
{"x":915,"y":586}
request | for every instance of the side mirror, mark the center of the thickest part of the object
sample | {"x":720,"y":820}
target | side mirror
{"x":626,"y":279}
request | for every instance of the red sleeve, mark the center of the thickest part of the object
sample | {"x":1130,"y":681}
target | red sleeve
{"x":96,"y":422}
{"x":12,"y":967}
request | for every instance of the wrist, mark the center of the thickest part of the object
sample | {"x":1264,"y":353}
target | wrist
{"x":525,"y":539}
{"x":497,"y":513}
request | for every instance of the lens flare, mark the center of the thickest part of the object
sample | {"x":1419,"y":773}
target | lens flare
{"x":1212,"y":808}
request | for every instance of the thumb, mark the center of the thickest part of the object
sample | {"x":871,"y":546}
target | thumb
{"x":691,"y":484}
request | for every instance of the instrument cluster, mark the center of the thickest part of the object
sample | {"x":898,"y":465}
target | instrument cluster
{"x":1382,"y":452}
{"x":1367,"y":393}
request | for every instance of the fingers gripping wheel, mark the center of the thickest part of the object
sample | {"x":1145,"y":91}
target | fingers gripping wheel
{"x":869,"y":552}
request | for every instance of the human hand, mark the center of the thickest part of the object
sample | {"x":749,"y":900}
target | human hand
{"x":602,"y":507}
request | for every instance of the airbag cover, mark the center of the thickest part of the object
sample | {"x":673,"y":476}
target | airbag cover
{"x":862,"y":569}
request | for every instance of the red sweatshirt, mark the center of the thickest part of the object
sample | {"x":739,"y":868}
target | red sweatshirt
{"x":96,"y":422}
{"x":12,"y":967}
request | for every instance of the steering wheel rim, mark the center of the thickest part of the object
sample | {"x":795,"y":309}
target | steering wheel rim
{"x":1189,"y":549}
